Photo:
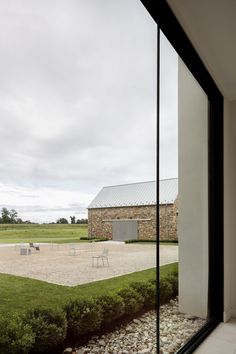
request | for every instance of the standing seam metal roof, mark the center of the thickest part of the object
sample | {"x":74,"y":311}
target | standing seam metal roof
{"x":135,"y":194}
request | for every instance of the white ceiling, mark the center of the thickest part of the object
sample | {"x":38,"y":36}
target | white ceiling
{"x":211,"y":27}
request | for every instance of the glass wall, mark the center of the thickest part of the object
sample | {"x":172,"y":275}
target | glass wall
{"x":183,"y":202}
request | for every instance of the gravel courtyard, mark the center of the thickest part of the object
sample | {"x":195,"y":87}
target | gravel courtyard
{"x":168,"y":254}
{"x":59,"y":266}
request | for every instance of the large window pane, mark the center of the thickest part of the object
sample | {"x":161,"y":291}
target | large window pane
{"x":183,"y":202}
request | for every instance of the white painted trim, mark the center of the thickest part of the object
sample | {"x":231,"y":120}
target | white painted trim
{"x":233,"y":313}
{"x":227,"y":315}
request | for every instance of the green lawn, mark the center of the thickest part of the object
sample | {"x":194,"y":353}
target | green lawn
{"x":58,"y":233}
{"x":168,"y":268}
{"x":168,"y":243}
{"x":19,"y":293}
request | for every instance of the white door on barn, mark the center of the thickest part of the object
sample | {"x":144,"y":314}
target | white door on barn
{"x":124,"y":230}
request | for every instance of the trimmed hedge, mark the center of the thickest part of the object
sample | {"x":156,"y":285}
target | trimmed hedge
{"x":95,"y":239}
{"x":16,"y":336}
{"x":132,"y":299}
{"x":83,"y":316}
{"x":168,"y":287}
{"x":153,"y":282}
{"x":112,"y":307}
{"x":148,"y":291}
{"x":49,"y":327}
{"x":44,"y":330}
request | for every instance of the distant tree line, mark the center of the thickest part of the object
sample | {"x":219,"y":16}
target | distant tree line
{"x":11,"y":217}
{"x":72,"y":221}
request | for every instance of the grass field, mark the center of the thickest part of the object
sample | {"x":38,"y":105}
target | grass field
{"x":58,"y":233}
{"x":19,"y":294}
{"x":168,"y":243}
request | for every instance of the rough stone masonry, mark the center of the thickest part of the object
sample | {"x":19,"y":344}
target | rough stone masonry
{"x":100,"y":220}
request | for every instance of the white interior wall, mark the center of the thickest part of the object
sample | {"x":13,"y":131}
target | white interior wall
{"x":229,"y":209}
{"x":229,"y":220}
{"x":212,"y":33}
{"x":192,"y":194}
{"x":228,"y":204}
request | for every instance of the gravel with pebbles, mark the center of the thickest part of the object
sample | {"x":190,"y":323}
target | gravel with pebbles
{"x":176,"y":328}
{"x":139,"y":336}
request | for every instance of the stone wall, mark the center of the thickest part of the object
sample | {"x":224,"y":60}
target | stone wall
{"x":168,"y":215}
{"x":100,"y":225}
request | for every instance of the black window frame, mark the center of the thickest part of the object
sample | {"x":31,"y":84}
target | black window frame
{"x":168,"y":24}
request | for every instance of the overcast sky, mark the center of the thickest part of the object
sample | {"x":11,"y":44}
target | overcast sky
{"x":168,"y":110}
{"x":78,"y":103}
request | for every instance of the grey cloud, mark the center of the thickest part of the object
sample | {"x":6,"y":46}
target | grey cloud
{"x":77,"y":93}
{"x":10,"y":192}
{"x":43,"y":209}
{"x":29,"y":196}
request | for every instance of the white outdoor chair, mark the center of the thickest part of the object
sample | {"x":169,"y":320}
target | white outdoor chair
{"x":103,"y":256}
{"x":34,"y":246}
{"x":91,"y":247}
{"x":24,"y":249}
{"x":73,"y":248}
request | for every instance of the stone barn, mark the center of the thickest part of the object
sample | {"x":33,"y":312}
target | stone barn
{"x":128,"y":211}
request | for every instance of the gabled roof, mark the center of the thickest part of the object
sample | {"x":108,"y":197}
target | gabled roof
{"x":134,"y":194}
{"x":168,"y":190}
